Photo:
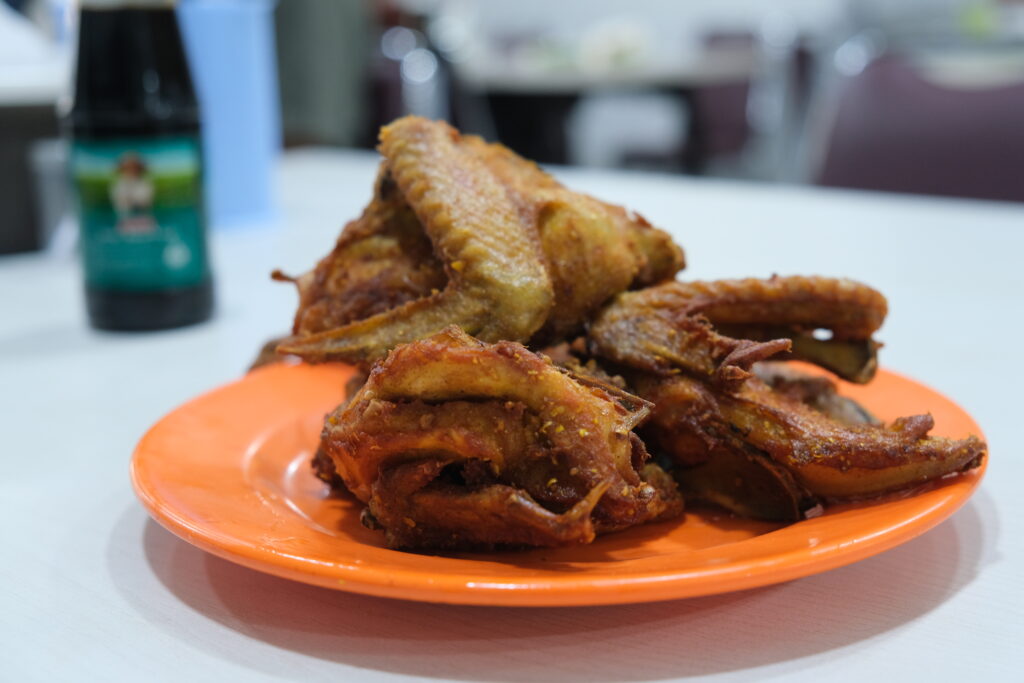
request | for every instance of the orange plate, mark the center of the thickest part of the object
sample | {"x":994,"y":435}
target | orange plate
{"x":229,"y":472}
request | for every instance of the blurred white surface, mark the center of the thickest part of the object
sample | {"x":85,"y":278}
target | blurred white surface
{"x":91,"y":589}
{"x":33,"y":71}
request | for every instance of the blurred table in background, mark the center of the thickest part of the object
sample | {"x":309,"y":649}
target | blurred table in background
{"x":529,"y":107}
{"x":938,"y":115}
{"x":90,"y":588}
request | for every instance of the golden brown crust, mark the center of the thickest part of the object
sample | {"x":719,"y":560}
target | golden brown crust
{"x":381,"y":260}
{"x":497,"y":285}
{"x":831,"y":458}
{"x":457,"y":413}
{"x":593,"y":249}
{"x":669,"y":327}
{"x":814,"y":391}
{"x":663,"y":340}
{"x":455,"y":443}
{"x":516,"y":255}
{"x":849,"y":309}
{"x":417,"y":511}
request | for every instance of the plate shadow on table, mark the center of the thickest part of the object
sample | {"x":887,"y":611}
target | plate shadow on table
{"x":699,"y":636}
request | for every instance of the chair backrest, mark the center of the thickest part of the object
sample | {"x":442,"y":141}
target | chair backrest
{"x":895,"y":129}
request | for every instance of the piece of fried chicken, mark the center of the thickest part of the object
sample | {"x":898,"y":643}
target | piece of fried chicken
{"x":830,"y":457}
{"x":381,"y":260}
{"x":453,"y":443}
{"x":710,"y":411}
{"x":722,"y":327}
{"x":514,"y":255}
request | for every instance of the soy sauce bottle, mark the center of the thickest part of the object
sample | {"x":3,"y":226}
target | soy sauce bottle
{"x":136,"y":165}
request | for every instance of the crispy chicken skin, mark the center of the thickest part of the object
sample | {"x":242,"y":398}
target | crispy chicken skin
{"x":722,"y":327}
{"x":832,"y":458}
{"x":707,"y":404}
{"x":382,"y":260}
{"x":849,"y":309}
{"x":515,"y":256}
{"x":815,"y":391}
{"x":456,"y":436}
{"x":453,"y":443}
{"x":594,"y":250}
{"x":665,"y":341}
{"x":497,"y":285}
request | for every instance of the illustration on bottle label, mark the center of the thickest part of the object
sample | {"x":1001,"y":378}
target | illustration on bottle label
{"x":141,"y":212}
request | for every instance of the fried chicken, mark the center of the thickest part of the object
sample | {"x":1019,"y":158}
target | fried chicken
{"x":594,"y":250}
{"x":453,"y":443}
{"x":515,"y":256}
{"x":382,"y":260}
{"x":815,"y":391}
{"x":457,"y":442}
{"x":712,"y":415}
{"x":832,"y":458}
{"x":744,"y":479}
{"x":722,"y":327}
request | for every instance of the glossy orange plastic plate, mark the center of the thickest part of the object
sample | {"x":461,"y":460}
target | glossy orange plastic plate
{"x":229,"y":472}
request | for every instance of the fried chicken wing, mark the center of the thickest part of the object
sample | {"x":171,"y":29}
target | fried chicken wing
{"x":794,"y":308}
{"x":836,"y":459}
{"x":516,"y":256}
{"x":724,"y":472}
{"x":454,"y":443}
{"x":669,"y":326}
{"x":497,"y":286}
{"x":730,"y":473}
{"x":654,"y":255}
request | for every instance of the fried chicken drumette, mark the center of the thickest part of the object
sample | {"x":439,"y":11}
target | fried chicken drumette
{"x":513,"y":254}
{"x":453,"y":443}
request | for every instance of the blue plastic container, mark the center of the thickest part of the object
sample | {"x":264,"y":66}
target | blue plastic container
{"x":230,"y":45}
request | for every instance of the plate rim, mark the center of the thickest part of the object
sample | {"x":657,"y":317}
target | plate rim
{"x":553,"y":590}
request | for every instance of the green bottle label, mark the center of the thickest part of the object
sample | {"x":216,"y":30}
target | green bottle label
{"x":141,"y":212}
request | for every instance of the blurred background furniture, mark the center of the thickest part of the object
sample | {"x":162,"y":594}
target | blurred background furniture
{"x":599,"y":83}
{"x":33,"y":75}
{"x":915,"y":96}
{"x":529,"y":111}
{"x":928,"y":119}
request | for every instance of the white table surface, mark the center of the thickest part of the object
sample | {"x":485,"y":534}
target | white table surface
{"x":91,"y":589}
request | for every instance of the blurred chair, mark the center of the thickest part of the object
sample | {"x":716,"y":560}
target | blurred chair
{"x":719,"y":125}
{"x":889,"y":122}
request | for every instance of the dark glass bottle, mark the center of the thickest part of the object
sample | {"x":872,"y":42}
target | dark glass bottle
{"x":136,"y":164}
